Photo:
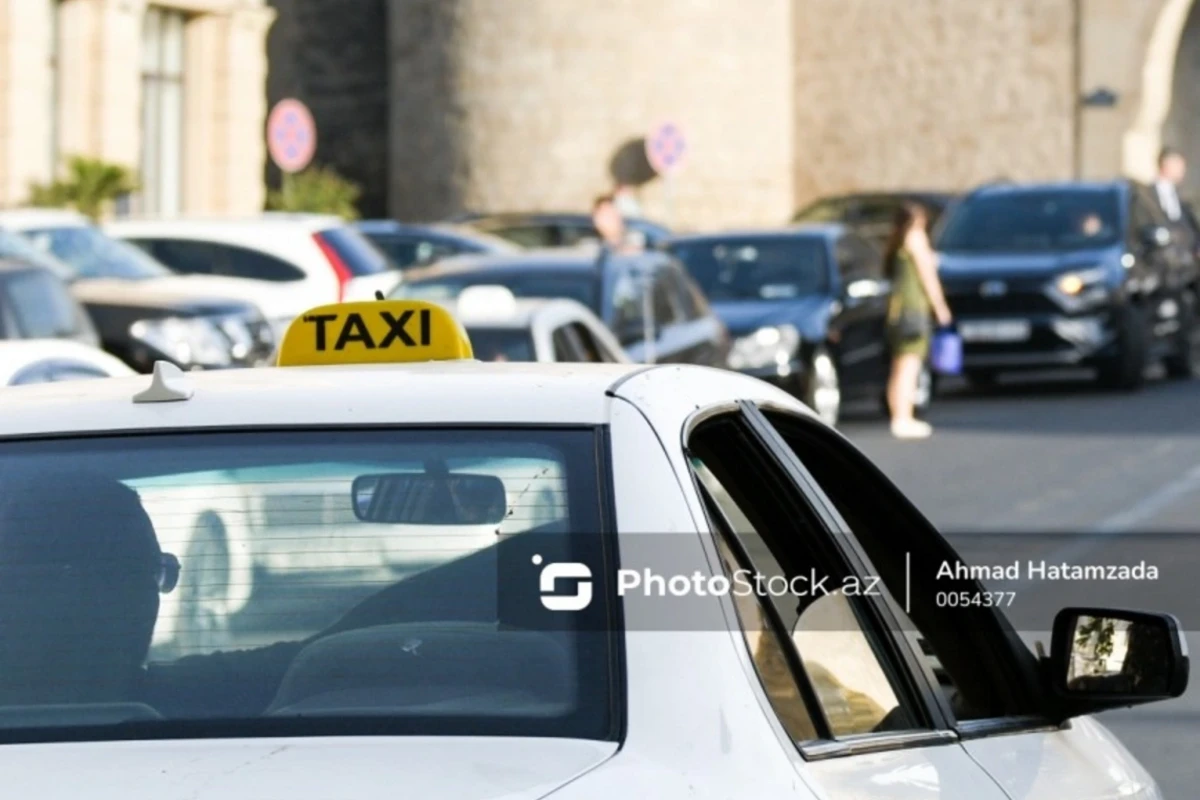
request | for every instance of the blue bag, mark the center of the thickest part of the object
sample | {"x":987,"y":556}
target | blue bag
{"x":946,"y":352}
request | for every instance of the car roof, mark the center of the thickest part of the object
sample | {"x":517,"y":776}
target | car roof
{"x":1049,"y":186}
{"x":428,"y":393}
{"x":446,"y":230}
{"x":803,"y":231}
{"x":525,"y":311}
{"x":267,"y":220}
{"x":17,"y":353}
{"x":23,"y":219}
{"x":559,"y":260}
{"x":552,"y":217}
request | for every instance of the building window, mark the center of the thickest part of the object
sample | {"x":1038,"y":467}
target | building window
{"x":162,"y":110}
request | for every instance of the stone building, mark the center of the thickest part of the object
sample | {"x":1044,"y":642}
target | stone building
{"x":171,"y":88}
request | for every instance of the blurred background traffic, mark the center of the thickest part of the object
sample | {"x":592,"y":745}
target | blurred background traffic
{"x":672,"y":182}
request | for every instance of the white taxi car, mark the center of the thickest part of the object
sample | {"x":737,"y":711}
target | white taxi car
{"x":545,"y":663}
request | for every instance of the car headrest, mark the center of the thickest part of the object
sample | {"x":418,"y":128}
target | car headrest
{"x":418,"y":665}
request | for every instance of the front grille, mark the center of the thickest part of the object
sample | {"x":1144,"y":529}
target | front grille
{"x":1022,"y":296}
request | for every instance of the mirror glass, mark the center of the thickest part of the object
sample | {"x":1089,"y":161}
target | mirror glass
{"x":415,"y":498}
{"x":1122,"y":656}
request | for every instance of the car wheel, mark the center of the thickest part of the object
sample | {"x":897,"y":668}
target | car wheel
{"x":1126,"y":371}
{"x":205,"y":572}
{"x":1184,"y":362}
{"x":822,"y":389}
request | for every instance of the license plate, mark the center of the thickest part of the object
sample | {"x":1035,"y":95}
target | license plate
{"x":1016,"y":330}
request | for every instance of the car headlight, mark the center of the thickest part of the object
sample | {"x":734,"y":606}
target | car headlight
{"x":1080,"y":288}
{"x":775,"y":345}
{"x":189,"y":341}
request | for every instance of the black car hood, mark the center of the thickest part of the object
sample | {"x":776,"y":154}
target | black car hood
{"x":172,"y":294}
{"x":810,"y":315}
{"x":972,"y":265}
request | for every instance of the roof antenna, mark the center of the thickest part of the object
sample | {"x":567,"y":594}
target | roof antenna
{"x":379,"y":295}
{"x":168,"y":385}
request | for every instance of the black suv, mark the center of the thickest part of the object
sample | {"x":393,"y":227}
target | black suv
{"x":1070,"y":274}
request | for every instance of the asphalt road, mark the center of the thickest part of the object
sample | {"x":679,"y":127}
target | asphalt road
{"x":1119,"y":472}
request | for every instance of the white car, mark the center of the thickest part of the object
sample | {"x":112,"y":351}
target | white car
{"x":504,"y":328}
{"x":548,"y":664}
{"x":24,"y":361}
{"x":284,"y":263}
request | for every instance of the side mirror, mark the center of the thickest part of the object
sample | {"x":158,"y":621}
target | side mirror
{"x":1156,"y":236}
{"x":1106,"y":658}
{"x":417,"y":498}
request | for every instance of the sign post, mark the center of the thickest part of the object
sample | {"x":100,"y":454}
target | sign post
{"x":291,"y":140}
{"x":665,"y":149}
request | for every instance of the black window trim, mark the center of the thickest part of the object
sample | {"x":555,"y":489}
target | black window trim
{"x":940,"y":731}
{"x":964,"y":729}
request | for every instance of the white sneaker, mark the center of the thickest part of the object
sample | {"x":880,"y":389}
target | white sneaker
{"x":912,"y":429}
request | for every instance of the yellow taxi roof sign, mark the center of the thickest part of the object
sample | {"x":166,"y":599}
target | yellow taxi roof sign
{"x":374,"y":332}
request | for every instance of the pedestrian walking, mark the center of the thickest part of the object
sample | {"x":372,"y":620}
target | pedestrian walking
{"x":916,"y":297}
{"x":610,"y":225}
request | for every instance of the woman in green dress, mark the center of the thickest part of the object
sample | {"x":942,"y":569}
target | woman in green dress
{"x":916,"y":298}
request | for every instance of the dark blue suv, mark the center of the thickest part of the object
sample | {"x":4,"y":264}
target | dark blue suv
{"x":1070,"y":274}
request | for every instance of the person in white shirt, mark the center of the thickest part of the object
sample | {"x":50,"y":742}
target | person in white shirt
{"x":1171,"y":170}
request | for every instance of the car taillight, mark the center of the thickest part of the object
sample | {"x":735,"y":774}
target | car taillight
{"x":340,"y":269}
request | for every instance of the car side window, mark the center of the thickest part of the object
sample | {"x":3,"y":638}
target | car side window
{"x":837,"y":656}
{"x":857,"y":260}
{"x":567,"y":347}
{"x":665,"y":310}
{"x":834,"y":210}
{"x":242,"y":262}
{"x":628,"y":314}
{"x":41,"y":306}
{"x":982,"y":668}
{"x":591,"y":350}
{"x":526,"y":235}
{"x":685,"y":298}
{"x":184,"y":256}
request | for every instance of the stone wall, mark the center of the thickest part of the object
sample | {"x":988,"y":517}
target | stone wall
{"x":931,"y":93}
{"x":523,"y":105}
{"x":332,"y":55}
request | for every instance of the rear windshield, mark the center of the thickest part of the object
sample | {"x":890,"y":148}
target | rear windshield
{"x":227,"y":585}
{"x":581,"y":287}
{"x":1035,"y":221}
{"x":40,"y":304}
{"x":356,"y":251}
{"x":748,"y":268}
{"x":502,"y":344}
{"x":17,"y":247}
{"x":91,"y":254}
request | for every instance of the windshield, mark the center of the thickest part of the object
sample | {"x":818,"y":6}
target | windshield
{"x":1045,"y":221}
{"x":756,"y":268}
{"x":91,"y":254}
{"x":502,"y":344}
{"x":17,"y":247}
{"x":582,"y":287}
{"x":239,"y":591}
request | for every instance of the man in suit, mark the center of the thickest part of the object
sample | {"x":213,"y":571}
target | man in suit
{"x":1172,"y":167}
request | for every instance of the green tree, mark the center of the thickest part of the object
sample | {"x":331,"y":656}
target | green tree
{"x":318,"y":190}
{"x":90,"y":185}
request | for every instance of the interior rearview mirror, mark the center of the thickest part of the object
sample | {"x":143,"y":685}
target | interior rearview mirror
{"x":1156,"y":236}
{"x":1104,"y":658}
{"x":418,"y":498}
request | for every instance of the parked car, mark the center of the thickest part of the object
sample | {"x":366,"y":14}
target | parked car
{"x":806,"y":307}
{"x":619,"y":289}
{"x":1070,"y":274}
{"x":142,"y":311}
{"x":504,"y":328}
{"x":283,"y":263}
{"x":35,"y":303}
{"x":50,"y":360}
{"x":542,"y":229}
{"x":409,"y":246}
{"x":871,"y":214}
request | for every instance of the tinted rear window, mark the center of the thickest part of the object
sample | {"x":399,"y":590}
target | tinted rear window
{"x":583,"y":288}
{"x":1039,"y":221}
{"x":356,"y":251}
{"x":40,"y":304}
